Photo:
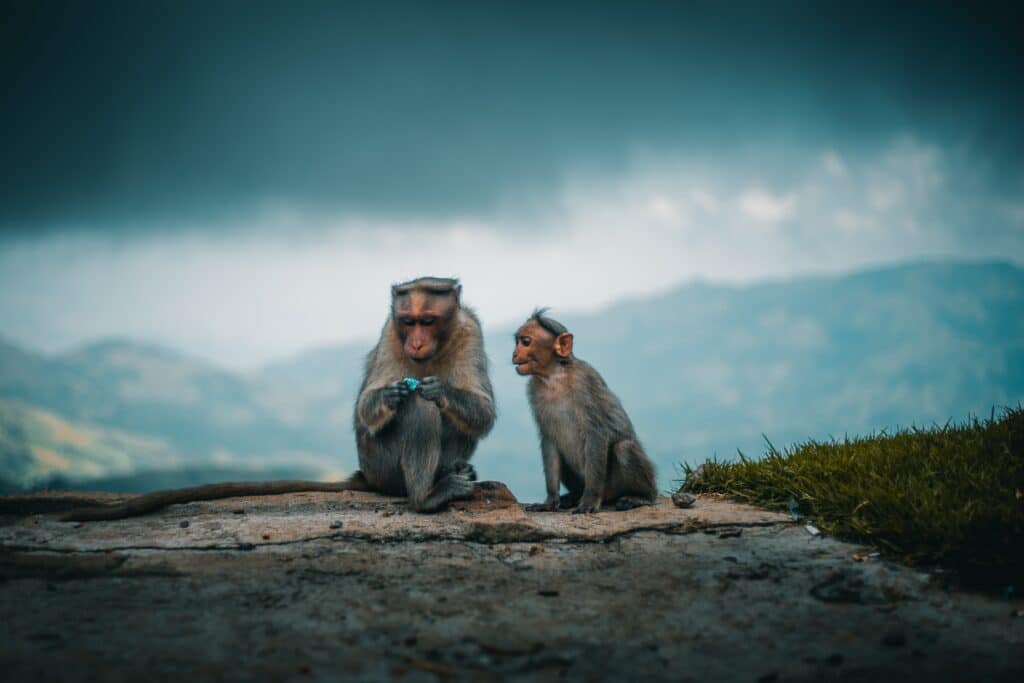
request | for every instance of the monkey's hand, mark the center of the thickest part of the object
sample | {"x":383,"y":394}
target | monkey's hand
{"x":395,"y":393}
{"x":432,"y":389}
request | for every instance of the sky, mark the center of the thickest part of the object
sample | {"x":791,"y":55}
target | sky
{"x":242,"y":181}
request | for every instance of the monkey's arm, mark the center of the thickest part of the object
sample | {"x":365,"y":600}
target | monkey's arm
{"x":595,"y":453}
{"x":552,"y":472}
{"x":471,"y":413}
{"x":376,"y":407}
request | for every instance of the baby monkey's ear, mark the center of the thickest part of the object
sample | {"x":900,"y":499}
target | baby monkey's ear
{"x":563,"y":345}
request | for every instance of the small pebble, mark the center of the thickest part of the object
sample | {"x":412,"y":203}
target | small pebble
{"x":183,"y":524}
{"x":548,"y":593}
{"x":682,"y":499}
{"x":335,"y":525}
{"x":238,"y":512}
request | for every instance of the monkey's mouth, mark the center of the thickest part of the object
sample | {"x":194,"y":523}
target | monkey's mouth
{"x":521,"y":367}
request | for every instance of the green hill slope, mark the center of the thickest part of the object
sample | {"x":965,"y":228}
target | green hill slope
{"x":38,"y":447}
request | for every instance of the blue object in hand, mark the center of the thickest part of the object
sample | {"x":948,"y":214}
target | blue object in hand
{"x":412,"y":383}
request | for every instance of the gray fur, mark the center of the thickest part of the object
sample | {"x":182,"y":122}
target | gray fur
{"x":418,"y":444}
{"x":587,"y":441}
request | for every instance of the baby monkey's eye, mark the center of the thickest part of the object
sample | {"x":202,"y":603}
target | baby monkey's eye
{"x":525,"y":341}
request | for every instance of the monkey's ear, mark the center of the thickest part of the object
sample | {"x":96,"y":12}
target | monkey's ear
{"x":457,"y":293}
{"x":563,"y":345}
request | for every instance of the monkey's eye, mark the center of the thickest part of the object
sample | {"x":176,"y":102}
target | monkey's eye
{"x":407,"y":321}
{"x":426,"y":322}
{"x":525,"y":341}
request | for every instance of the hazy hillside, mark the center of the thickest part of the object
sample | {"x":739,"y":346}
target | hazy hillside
{"x":703,"y":370}
{"x":38,"y":448}
{"x":151,"y":390}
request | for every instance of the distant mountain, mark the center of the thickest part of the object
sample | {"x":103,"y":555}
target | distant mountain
{"x":38,"y":448}
{"x":703,"y":370}
{"x":150,"y":390}
{"x":706,"y":370}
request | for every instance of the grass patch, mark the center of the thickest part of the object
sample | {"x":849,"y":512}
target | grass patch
{"x":952,"y":495}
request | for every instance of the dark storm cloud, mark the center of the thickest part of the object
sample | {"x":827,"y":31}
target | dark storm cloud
{"x":131,"y":114}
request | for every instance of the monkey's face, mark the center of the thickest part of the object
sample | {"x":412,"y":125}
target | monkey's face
{"x":535,"y":350}
{"x":421,"y":321}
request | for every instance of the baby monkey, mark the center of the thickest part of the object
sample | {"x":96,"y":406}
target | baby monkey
{"x":586,"y":438}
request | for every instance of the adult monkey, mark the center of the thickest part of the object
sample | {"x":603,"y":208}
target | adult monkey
{"x":416,"y":438}
{"x":414,"y":443}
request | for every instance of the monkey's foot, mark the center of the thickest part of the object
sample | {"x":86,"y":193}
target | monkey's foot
{"x":569,"y":500}
{"x":550,"y":504}
{"x":540,"y":507}
{"x":460,"y":485}
{"x":467,"y":470}
{"x":587,"y":506}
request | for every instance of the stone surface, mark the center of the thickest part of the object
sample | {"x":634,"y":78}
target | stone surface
{"x":324,"y":586}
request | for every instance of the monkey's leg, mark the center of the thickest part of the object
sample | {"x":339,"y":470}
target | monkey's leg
{"x":630,"y":476}
{"x":596,"y":452}
{"x":573,"y":482}
{"x":379,"y":461}
{"x":569,"y":500}
{"x":421,"y":461}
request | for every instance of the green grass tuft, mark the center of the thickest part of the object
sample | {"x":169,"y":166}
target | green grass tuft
{"x":951,"y":495}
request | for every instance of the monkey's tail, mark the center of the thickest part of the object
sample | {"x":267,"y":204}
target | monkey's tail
{"x":149,"y":502}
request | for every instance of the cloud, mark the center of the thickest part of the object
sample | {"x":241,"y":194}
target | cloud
{"x":458,"y":109}
{"x":704,"y":200}
{"x":834,"y":164}
{"x":292,"y":278}
{"x":908,"y":174}
{"x":764,"y":207}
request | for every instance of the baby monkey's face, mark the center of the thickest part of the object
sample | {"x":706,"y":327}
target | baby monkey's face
{"x":534,"y":349}
{"x":538,"y":351}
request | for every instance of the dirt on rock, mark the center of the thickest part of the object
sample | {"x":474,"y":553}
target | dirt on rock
{"x":321,"y":586}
